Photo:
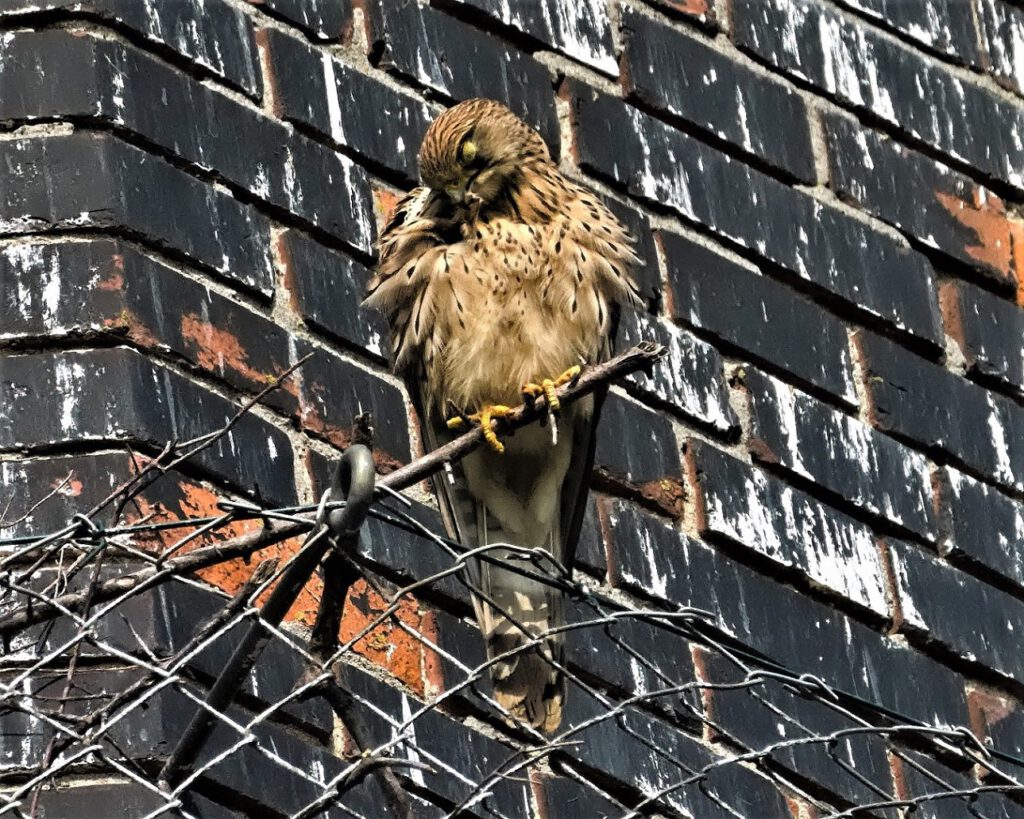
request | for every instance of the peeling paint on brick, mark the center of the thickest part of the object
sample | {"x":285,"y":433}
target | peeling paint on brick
{"x":999,"y":236}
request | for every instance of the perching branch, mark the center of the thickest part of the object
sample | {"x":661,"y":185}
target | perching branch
{"x":640,"y":358}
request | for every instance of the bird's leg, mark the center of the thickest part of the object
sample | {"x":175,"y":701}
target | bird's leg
{"x":484,"y":418}
{"x":547,"y":387}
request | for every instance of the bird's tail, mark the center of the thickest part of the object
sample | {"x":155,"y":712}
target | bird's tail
{"x":527,"y":661}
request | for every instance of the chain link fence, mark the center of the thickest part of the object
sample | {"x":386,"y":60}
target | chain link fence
{"x":124,"y":677}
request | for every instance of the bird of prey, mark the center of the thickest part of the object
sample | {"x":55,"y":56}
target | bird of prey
{"x":499,"y":276}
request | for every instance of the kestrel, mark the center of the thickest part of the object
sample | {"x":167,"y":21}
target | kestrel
{"x":496,"y":274}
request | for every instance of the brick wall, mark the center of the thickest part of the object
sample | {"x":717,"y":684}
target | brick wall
{"x":827,"y":197}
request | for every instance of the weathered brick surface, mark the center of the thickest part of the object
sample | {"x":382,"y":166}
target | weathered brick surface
{"x":662,"y":761}
{"x":700,"y":11}
{"x":323,"y":19}
{"x":793,"y":430}
{"x":583,"y":32}
{"x":988,"y":330}
{"x":756,"y":315}
{"x":814,"y":241}
{"x":794,"y":630}
{"x":327,"y":287}
{"x":350,"y":108}
{"x":686,"y":77}
{"x":1001,"y":32}
{"x":944,"y":26}
{"x":118,"y":395}
{"x":109,"y":287}
{"x":211,"y":34}
{"x":867,"y":71}
{"x":108,"y":184}
{"x":691,"y":383}
{"x":948,"y":210}
{"x":923,"y":402}
{"x":985,"y":526}
{"x":117,"y":84}
{"x":335,"y":390}
{"x":791,"y":726}
{"x":645,"y":454}
{"x":789,"y":527}
{"x":926,"y":585}
{"x":459,"y":61}
{"x":189,"y":197}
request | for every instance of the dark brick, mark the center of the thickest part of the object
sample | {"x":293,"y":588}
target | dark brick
{"x":95,"y":799}
{"x":165,"y":717}
{"x":790,"y":729}
{"x":684,"y":76}
{"x":931,"y":782}
{"x":757,"y":314}
{"x":460,"y":757}
{"x":472,"y":758}
{"x":634,"y":443}
{"x":462,"y":62}
{"x":92,"y":478}
{"x":841,"y":453}
{"x":828,"y":248}
{"x":988,"y":330}
{"x":583,"y":32}
{"x":322,"y":19}
{"x":789,"y":527}
{"x":793,"y":630}
{"x":352,"y":108}
{"x":867,"y":71}
{"x":105,"y":286}
{"x":210,"y":33}
{"x":632,"y":654}
{"x":986,"y":526}
{"x":938,"y":206}
{"x":117,"y":395}
{"x":701,"y":11}
{"x":562,"y":796}
{"x":923,"y":402}
{"x":335,"y":390}
{"x":943,"y":26}
{"x":689,"y":380}
{"x":162,"y":617}
{"x":104,"y":183}
{"x":647,"y":274}
{"x":1001,"y":32}
{"x":328,"y":287}
{"x":657,"y":759}
{"x":590,"y":551}
{"x":117,"y":83}
{"x":1006,"y":730}
{"x":644,"y":552}
{"x":926,"y":585}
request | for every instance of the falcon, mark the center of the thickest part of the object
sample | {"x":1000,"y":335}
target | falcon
{"x":499,"y":276}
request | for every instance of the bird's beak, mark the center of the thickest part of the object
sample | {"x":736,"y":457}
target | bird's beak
{"x":457,"y":193}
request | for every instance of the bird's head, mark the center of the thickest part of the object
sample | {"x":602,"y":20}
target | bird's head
{"x":477,"y":148}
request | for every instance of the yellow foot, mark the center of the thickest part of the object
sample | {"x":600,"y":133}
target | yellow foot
{"x":547,"y":387}
{"x":484,"y":418}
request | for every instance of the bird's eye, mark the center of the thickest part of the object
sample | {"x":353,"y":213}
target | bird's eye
{"x":467,"y":152}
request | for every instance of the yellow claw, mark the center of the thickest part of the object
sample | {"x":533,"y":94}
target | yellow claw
{"x":484,"y":418}
{"x":547,"y":387}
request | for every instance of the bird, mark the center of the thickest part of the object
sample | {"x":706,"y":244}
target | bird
{"x":499,"y":277}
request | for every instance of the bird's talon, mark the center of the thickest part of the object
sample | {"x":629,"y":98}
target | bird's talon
{"x":484,"y":418}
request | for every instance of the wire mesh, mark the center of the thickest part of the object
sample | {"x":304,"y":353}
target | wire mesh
{"x":112,"y":645}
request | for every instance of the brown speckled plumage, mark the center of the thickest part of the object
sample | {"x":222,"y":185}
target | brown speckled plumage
{"x":497,"y":272}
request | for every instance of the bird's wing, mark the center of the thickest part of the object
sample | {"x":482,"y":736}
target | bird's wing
{"x":411,"y":268}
